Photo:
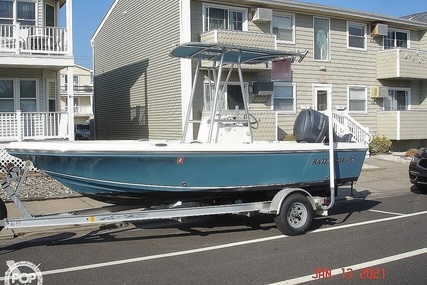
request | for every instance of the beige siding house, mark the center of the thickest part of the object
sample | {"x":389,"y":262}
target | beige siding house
{"x":82,"y":84}
{"x":375,"y":67}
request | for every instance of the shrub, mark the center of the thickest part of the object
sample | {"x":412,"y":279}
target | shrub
{"x":289,"y":137}
{"x":410,"y":152}
{"x":379,"y":144}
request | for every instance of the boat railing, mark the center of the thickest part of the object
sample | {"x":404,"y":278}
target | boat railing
{"x":344,"y":123}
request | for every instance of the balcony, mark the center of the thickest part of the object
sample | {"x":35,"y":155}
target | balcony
{"x":18,"y":126}
{"x":402,"y":63}
{"x":240,"y":38}
{"x":79,"y":88}
{"x":81,"y":110}
{"x":402,"y":125}
{"x":21,"y":39}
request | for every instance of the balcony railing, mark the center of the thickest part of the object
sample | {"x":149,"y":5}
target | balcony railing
{"x":81,"y":110}
{"x":402,"y":63}
{"x":33,"y":39}
{"x":402,"y":125}
{"x":240,"y":38}
{"x":18,"y":126}
{"x":79,"y":88}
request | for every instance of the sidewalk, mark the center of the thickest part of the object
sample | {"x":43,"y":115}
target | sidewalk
{"x":379,"y":178}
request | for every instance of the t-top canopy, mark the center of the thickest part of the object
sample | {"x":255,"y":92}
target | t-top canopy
{"x":232,"y":54}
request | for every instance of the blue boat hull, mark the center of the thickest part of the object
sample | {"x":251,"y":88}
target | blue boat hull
{"x":172,"y":176}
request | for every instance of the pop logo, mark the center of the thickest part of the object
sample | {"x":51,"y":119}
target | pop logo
{"x":23,"y":273}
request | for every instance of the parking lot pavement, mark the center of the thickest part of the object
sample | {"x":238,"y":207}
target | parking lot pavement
{"x":379,"y":178}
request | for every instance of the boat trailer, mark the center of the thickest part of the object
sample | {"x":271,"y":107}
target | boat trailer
{"x":294,"y":209}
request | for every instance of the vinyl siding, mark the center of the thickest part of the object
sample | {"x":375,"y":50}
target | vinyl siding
{"x":137,"y":85}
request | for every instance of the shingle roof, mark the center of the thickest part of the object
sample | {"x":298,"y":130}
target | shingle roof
{"x":419,"y":17}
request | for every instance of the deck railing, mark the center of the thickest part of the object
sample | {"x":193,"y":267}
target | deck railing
{"x":18,"y":126}
{"x":33,"y":39}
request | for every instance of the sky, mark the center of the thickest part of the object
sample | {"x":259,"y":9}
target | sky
{"x":88,"y":14}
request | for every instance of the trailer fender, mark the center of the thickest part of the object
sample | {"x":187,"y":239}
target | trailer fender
{"x":278,"y":199}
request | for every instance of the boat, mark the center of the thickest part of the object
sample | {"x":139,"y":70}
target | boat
{"x":221,"y":163}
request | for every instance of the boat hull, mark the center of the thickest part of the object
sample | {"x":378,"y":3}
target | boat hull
{"x":171,"y":172}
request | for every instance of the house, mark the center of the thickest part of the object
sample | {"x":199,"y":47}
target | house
{"x":34,"y":48}
{"x":375,"y":67}
{"x":83,"y":93}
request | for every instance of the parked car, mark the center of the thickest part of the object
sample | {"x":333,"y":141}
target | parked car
{"x":82,"y":132}
{"x":418,"y":169}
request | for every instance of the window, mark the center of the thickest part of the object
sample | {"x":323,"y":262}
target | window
{"x":50,"y":15}
{"x":231,"y":100}
{"x":26,"y":12}
{"x":356,"y":36}
{"x":18,"y":94}
{"x":6,"y":12}
{"x":51,"y":89}
{"x":225,"y":18}
{"x":397,"y":100}
{"x":284,"y":96}
{"x":27,"y":95}
{"x":321,"y":39}
{"x":6,"y":95}
{"x":396,"y":38}
{"x":284,"y":27}
{"x":357,"y":98}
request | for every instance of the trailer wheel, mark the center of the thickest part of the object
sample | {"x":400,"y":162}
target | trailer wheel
{"x":3,"y":212}
{"x":296,"y":215}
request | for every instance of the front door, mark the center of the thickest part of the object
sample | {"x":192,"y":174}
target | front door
{"x":321,"y":92}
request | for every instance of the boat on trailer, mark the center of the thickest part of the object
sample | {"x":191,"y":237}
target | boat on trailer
{"x":220,"y":165}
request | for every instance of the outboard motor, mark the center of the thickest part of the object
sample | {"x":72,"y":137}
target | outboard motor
{"x":310,"y":126}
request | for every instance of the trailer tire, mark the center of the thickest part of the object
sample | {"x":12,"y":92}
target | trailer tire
{"x":296,"y":215}
{"x":3,"y":212}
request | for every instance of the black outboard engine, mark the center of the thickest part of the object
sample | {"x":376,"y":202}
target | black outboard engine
{"x":310,"y":126}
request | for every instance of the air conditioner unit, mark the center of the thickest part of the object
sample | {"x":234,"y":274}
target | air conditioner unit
{"x":262,"y":15}
{"x":379,"y":92}
{"x":262,"y":88}
{"x":380,"y":30}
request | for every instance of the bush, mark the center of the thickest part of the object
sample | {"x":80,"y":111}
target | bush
{"x":379,"y":144}
{"x":411,"y":152}
{"x":289,"y":137}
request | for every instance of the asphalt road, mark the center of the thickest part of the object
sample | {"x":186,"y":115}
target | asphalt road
{"x":375,"y":241}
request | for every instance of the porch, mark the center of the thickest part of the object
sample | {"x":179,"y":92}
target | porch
{"x":18,"y":126}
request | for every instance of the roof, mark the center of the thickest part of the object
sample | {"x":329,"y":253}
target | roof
{"x":232,"y":54}
{"x":419,"y":17}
